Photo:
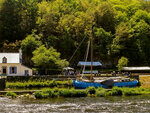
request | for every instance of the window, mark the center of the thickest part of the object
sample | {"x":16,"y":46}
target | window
{"x":13,"y":70}
{"x":4,"y":60}
{"x":26,"y":72}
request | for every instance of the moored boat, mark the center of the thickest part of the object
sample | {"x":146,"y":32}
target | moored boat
{"x":105,"y":84}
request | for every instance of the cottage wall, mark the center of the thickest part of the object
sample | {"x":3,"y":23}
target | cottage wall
{"x":20,"y":69}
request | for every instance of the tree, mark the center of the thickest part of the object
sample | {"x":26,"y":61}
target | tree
{"x":28,"y":45}
{"x":105,"y":17}
{"x":102,"y":40}
{"x":123,"y":61}
{"x":47,"y":59}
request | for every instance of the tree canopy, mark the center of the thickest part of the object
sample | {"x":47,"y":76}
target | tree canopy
{"x":46,"y":59}
{"x":120,"y":28}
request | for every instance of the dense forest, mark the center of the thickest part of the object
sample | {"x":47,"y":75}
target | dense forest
{"x":49,"y":31}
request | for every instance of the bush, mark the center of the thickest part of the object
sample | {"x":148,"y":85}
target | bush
{"x":123,"y":61}
{"x":65,"y":93}
{"x":79,"y":93}
{"x":47,"y":93}
{"x":12,"y":94}
{"x":38,"y":94}
{"x":116,"y":91}
{"x":101,"y":93}
{"x":91,"y":90}
{"x":131,"y":91}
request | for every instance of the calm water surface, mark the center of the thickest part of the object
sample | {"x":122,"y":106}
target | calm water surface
{"x":137,"y":104}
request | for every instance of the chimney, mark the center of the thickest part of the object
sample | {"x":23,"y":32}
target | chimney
{"x":20,"y":55}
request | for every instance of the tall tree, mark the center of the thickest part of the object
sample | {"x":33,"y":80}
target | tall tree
{"x":46,"y":59}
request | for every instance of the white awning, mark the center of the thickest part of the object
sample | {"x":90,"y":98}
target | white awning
{"x":136,"y":68}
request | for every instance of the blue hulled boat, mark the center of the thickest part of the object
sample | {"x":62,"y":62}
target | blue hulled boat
{"x":107,"y":83}
{"x":83,"y":85}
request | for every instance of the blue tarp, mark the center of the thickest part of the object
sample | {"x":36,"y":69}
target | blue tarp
{"x":82,"y":63}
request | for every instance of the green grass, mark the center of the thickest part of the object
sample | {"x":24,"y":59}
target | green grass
{"x":39,"y":84}
{"x":99,"y":92}
{"x":91,"y":90}
{"x":49,"y":93}
{"x":12,"y":94}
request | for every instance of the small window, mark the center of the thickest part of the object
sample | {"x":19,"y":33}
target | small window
{"x":4,"y":60}
{"x":13,"y":70}
{"x":26,"y":72}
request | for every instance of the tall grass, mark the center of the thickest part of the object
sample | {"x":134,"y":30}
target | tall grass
{"x":12,"y":94}
{"x":49,"y":93}
{"x":38,"y":84}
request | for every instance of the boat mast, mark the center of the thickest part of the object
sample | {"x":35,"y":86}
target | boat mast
{"x":91,"y":78}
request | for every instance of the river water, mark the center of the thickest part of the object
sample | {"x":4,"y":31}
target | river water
{"x":135,"y":104}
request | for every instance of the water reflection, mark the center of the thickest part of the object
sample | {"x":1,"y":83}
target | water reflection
{"x":77,"y":105}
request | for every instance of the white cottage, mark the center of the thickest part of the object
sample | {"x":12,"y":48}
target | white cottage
{"x":11,"y":65}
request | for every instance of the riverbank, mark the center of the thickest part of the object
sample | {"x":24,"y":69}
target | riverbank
{"x":89,"y":92}
{"x":35,"y":87}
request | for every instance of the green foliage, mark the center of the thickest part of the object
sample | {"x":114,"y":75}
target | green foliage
{"x":12,"y":94}
{"x":100,"y":92}
{"x":50,"y":93}
{"x":38,"y":84}
{"x":121,"y":28}
{"x":131,"y":91}
{"x":122,"y":62}
{"x":91,"y":90}
{"x":30,"y":43}
{"x":117,"y":91}
{"x":48,"y":58}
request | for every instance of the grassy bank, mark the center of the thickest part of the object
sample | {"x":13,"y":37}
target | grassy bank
{"x":91,"y":91}
{"x":39,"y":84}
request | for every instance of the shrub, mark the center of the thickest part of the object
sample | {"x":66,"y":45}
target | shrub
{"x":101,"y":93}
{"x":99,"y":89}
{"x":91,"y":90}
{"x":131,"y":91}
{"x":38,"y":94}
{"x":79,"y":93}
{"x":116,"y":91}
{"x":65,"y":93}
{"x":123,"y":61}
{"x":12,"y":94}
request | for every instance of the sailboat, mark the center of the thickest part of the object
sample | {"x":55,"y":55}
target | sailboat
{"x":81,"y":83}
